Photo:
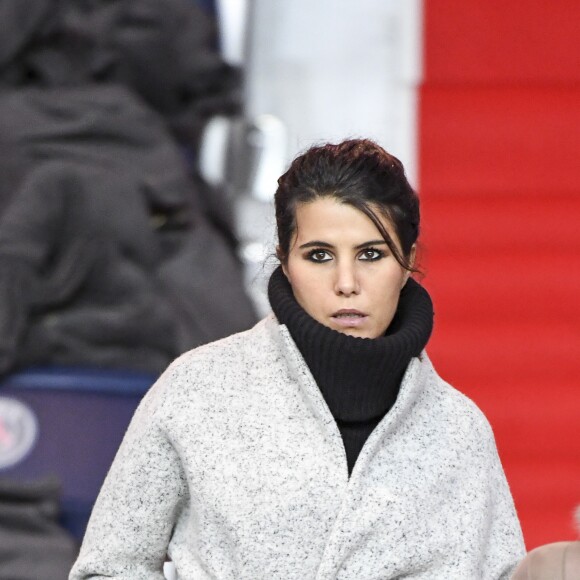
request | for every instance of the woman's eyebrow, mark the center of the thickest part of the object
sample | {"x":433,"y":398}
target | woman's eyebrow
{"x":370,"y":243}
{"x":316,"y":243}
{"x":321,"y":244}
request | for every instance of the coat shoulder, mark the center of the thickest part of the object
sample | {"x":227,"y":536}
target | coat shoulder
{"x":223,"y":364}
{"x":233,"y":349}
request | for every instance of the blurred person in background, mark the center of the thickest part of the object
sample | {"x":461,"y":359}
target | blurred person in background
{"x":321,"y":443}
{"x":556,"y":561}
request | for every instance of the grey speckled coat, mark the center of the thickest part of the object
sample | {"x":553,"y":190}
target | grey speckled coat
{"x":234,"y":466}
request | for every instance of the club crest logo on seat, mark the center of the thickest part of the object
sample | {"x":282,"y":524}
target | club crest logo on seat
{"x":18,"y":431}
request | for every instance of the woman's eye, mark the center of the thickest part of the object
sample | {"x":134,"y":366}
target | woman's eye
{"x":318,"y":256}
{"x":371,"y":254}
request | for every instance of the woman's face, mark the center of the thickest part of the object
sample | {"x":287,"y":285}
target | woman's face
{"x":341,"y":270}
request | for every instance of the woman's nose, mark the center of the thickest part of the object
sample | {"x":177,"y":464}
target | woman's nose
{"x":346,"y":281}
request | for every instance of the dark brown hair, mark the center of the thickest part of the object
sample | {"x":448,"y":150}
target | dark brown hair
{"x":357,"y":172}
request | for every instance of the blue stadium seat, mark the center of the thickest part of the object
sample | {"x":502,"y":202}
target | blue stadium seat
{"x":74,"y":420}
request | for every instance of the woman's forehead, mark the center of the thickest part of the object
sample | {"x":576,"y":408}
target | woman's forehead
{"x":330,"y":219}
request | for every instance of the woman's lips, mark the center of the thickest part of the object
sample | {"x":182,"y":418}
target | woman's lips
{"x":349,"y":318}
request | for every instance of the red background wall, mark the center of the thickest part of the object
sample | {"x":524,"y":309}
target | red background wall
{"x":500,"y":187}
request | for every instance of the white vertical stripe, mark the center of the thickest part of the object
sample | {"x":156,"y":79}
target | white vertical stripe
{"x":412,"y":57}
{"x":232,"y":21}
{"x":330,"y":69}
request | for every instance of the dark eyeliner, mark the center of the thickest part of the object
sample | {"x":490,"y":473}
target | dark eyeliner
{"x":310,"y":255}
{"x":380,"y":253}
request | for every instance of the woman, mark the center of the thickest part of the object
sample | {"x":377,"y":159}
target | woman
{"x":321,"y":443}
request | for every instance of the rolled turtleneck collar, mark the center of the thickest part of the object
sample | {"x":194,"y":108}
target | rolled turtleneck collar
{"x":358,"y":377}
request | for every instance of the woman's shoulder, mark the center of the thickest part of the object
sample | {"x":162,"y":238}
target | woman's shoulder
{"x":221,"y":362}
{"x":234,"y":345}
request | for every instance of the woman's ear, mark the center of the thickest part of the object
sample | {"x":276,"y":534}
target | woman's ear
{"x":282,"y":261}
{"x":413,"y":255}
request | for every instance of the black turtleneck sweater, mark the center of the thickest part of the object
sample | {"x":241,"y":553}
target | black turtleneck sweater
{"x":359,"y":377}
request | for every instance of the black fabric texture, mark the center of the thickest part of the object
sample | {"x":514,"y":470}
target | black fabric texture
{"x":358,"y":377}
